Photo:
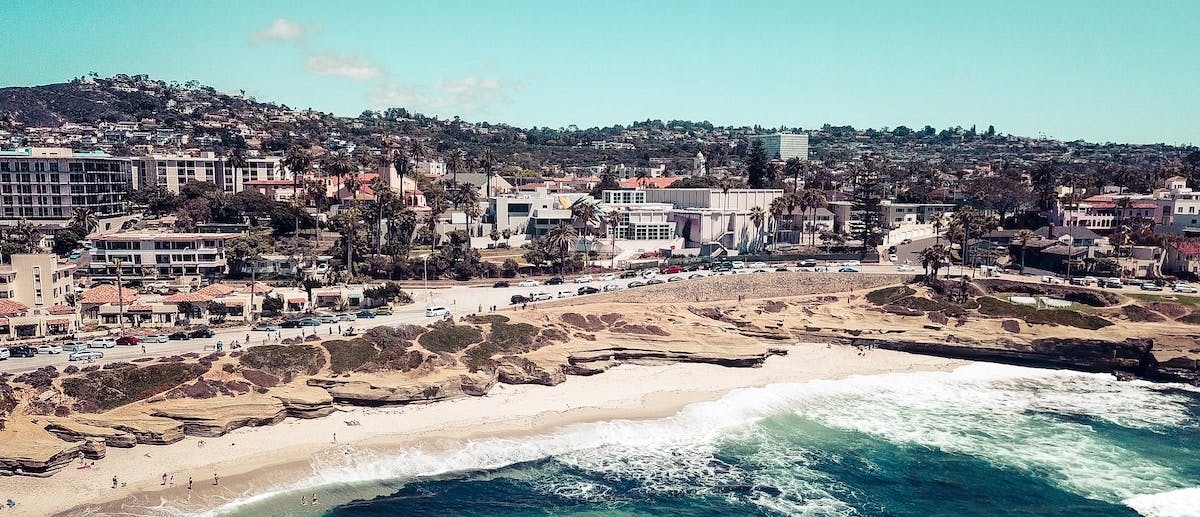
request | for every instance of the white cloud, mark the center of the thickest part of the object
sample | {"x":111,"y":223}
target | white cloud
{"x":468,"y":95}
{"x":281,"y":29}
{"x":343,"y":65}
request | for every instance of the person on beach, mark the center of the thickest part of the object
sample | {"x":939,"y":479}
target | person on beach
{"x":172,"y":482}
{"x":314,"y":499}
{"x":334,"y":437}
{"x":164,"y":479}
{"x":215,"y":480}
{"x":189,"y":482}
{"x":114,"y":481}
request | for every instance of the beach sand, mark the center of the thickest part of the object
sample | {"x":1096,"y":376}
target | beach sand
{"x":255,"y":460}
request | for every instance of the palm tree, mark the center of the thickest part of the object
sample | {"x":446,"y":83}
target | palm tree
{"x":487,"y":162}
{"x":466,"y":198}
{"x":613,"y":220}
{"x":584,"y":211}
{"x":236,"y":159}
{"x":507,"y":234}
{"x":85,"y":219}
{"x":297,"y":161}
{"x":561,"y":237}
{"x":938,"y":224}
{"x":1024,"y":236}
{"x":798,"y":202}
{"x":118,"y":262}
{"x":814,"y":199}
{"x":757,"y":216}
{"x":933,"y":256}
{"x":25,"y":236}
{"x":456,"y":162}
{"x":777,"y":208}
{"x":642,"y":176}
{"x":794,"y":167}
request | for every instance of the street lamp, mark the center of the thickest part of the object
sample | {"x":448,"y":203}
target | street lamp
{"x":425,"y":277}
{"x":120,"y":295}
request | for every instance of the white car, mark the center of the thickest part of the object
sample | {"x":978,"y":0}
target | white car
{"x":537,"y":297}
{"x":86,"y":355}
{"x":1183,"y":288}
{"x":1151,"y":287}
{"x":155,"y":338}
{"x":436,"y":311}
{"x":584,"y":279}
{"x":892,"y":257}
{"x":49,"y":348}
{"x":649,"y":274}
{"x":737,"y":264}
{"x":612,"y":287}
{"x":758,"y":265}
{"x":4,"y":353}
{"x":102,"y":342}
{"x":1047,"y":279}
{"x":566,"y":294}
{"x":905,"y":268}
{"x":851,"y":263}
{"x":529,"y":283}
{"x":608,"y":277}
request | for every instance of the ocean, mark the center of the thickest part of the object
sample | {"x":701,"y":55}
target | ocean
{"x":982,"y":440}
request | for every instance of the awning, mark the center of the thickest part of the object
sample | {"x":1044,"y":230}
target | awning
{"x":3,"y":322}
{"x":329,"y":294}
{"x":139,"y":308}
{"x":234,"y":303}
{"x":297,"y":300}
{"x":58,"y":321}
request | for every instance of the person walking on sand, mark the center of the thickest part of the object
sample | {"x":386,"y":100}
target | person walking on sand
{"x":334,"y":437}
{"x":143,"y":349}
{"x":189,"y":482}
{"x":215,"y":480}
{"x":164,"y":481}
{"x":114,"y":481}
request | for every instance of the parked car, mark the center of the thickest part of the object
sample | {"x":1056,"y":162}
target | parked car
{"x":671,"y":270}
{"x":1151,"y":287}
{"x":892,"y":258}
{"x":565,"y":294}
{"x":500,"y":284}
{"x":635,"y":283}
{"x":75,"y":346}
{"x":694,"y":276}
{"x":757,"y":265}
{"x":22,"y":351}
{"x":1183,"y":288}
{"x":655,"y":281}
{"x":265,"y":327}
{"x":128,"y":340}
{"x":155,"y":338}
{"x":906,"y":241}
{"x":891,"y":249}
{"x":102,"y":342}
{"x":86,"y":355}
{"x":847,"y":270}
{"x":1047,"y":279}
{"x":806,"y":263}
{"x":49,"y":348}
{"x":607,"y":277}
{"x":310,"y":322}
{"x":436,"y":311}
{"x":383,"y":311}
{"x":649,"y":274}
{"x":4,"y":353}
{"x":554,"y":280}
{"x":782,"y":269}
{"x":723,"y":267}
{"x":529,"y":283}
{"x":905,"y":268}
{"x":737,"y":264}
{"x":587,"y":289}
{"x":365,"y":314}
{"x":290,"y":324}
{"x":1111,"y":283}
{"x":179,"y":336}
{"x":611,"y":287}
{"x":328,"y":318}
{"x":852,"y":263}
{"x":537,"y":297}
{"x":675,"y":278}
{"x":345,"y":316}
{"x":628,"y":274}
{"x":201,"y":333}
{"x":584,"y":279}
{"x":518,"y":298}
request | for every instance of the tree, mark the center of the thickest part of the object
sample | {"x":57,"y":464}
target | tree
{"x":608,"y":181}
{"x":642,"y":176}
{"x":240,"y":251}
{"x":933,"y":256}
{"x":236,"y":159}
{"x":1003,"y":194}
{"x":66,"y":240}
{"x":156,"y":198}
{"x":186,"y":308}
{"x":272,"y":304}
{"x":757,"y":217}
{"x":794,"y":168}
{"x":613,"y":220}
{"x":1024,"y":236}
{"x":584,"y":212}
{"x":83,"y":219}
{"x":217,"y":310}
{"x":457,"y":161}
{"x":758,"y":165}
{"x":494,"y":235}
{"x":814,"y":199}
{"x":340,"y":164}
{"x":867,"y":201}
{"x":560,"y":238}
{"x":487,"y":162}
{"x":778,"y":207}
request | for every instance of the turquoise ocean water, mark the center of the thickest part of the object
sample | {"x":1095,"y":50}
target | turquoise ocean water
{"x":982,"y":440}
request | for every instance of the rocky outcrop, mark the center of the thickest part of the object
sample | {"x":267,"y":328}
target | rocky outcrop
{"x":218,"y":416}
{"x":519,"y":370}
{"x":363,"y":393}
{"x":477,"y":385}
{"x":616,"y":355}
{"x":72,"y":431}
{"x":38,"y":459}
{"x":304,"y":401}
{"x":146,"y":429}
{"x":94,"y":449}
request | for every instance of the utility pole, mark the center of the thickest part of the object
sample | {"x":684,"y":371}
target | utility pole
{"x":120,"y":295}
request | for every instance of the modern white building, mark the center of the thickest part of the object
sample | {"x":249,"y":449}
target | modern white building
{"x":532,"y":214}
{"x":784,"y":146}
{"x":50,"y":182}
{"x":175,"y":170}
{"x":146,"y":255}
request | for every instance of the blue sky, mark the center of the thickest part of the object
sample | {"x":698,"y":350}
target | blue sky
{"x":1100,"y":70}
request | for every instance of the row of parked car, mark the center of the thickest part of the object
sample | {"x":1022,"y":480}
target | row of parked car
{"x":321,"y":319}
{"x":1117,"y":283}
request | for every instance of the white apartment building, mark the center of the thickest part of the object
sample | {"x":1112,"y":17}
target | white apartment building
{"x":49,"y":183}
{"x":33,"y":290}
{"x":902,"y":214}
{"x":717,"y":199}
{"x":533,"y":214}
{"x":784,"y":146}
{"x":175,"y":170}
{"x":150,"y":255}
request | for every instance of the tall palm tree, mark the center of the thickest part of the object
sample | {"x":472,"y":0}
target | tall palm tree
{"x":757,"y":217}
{"x":794,"y":167}
{"x":584,"y":211}
{"x":487,"y":162}
{"x":297,"y":162}
{"x":466,"y":198}
{"x":340,"y":164}
{"x":25,"y":236}
{"x":795,"y":202}
{"x":561,"y":238}
{"x":938,"y":224}
{"x":85,"y":219}
{"x":1024,"y":236}
{"x":456,"y":162}
{"x":417,"y":152}
{"x":642,"y":176}
{"x":815,"y":200}
{"x":777,"y":208}
{"x":236,"y":159}
{"x":118,"y":262}
{"x":613,"y":220}
{"x":933,"y":256}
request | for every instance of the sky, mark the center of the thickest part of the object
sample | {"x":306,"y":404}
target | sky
{"x":1099,"y":70}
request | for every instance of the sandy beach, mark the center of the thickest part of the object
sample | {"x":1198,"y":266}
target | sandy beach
{"x":255,"y":460}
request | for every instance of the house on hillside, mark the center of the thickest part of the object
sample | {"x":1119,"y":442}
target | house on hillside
{"x":1183,"y":259}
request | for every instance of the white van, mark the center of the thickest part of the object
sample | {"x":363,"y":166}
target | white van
{"x":435,"y":311}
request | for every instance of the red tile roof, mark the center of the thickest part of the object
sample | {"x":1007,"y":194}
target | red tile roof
{"x":234,"y":303}
{"x":140,"y":308}
{"x":187,"y":297}
{"x":58,"y":321}
{"x":107,"y":293}
{"x":257,"y":288}
{"x":297,"y":300}
{"x":215,"y":290}
{"x":649,"y":182}
{"x":326,"y":294}
{"x":12,"y":307}
{"x":1187,"y":247}
{"x":61,"y":309}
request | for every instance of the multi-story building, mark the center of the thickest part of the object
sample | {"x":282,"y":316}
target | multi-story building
{"x":900,"y":214}
{"x":50,"y":183}
{"x":152,"y":255}
{"x":784,"y":146}
{"x":174,"y":170}
{"x":533,"y":214}
{"x":33,"y":296}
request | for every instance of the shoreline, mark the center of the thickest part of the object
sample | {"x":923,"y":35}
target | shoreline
{"x":254,"y":460}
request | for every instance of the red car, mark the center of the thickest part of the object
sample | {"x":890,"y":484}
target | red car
{"x":671,"y":270}
{"x":129,"y":340}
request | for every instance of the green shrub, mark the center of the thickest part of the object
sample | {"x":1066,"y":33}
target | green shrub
{"x":1191,"y":319}
{"x":920,"y":303}
{"x":997,"y":308}
{"x":107,"y":389}
{"x":284,"y":360}
{"x":450,"y":338}
{"x":504,"y":338}
{"x":348,"y":356}
{"x":889,"y":294}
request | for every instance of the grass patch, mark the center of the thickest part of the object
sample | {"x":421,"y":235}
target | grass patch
{"x":284,"y":361}
{"x":347,"y":356}
{"x":450,"y":338}
{"x":1001,"y":309}
{"x":889,"y":295}
{"x":107,"y":389}
{"x":504,"y":338}
{"x":1190,"y":319}
{"x":1189,"y":301}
